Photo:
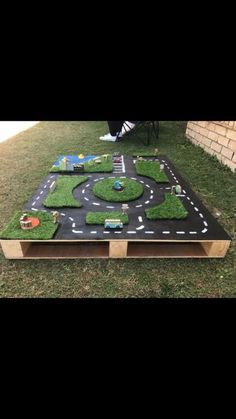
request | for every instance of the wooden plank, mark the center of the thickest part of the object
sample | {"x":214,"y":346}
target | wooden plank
{"x":118,"y":249}
{"x":14,"y":248}
{"x":68,"y":249}
{"x":217,"y":248}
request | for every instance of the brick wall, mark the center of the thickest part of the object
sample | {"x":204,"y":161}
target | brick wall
{"x":216,"y":137}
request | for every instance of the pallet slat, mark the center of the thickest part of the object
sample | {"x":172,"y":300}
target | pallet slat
{"x":61,"y":249}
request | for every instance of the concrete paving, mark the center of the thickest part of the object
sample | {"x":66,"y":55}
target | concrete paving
{"x":10,"y":128}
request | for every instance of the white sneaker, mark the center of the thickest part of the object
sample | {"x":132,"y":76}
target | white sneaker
{"x":109,"y":137}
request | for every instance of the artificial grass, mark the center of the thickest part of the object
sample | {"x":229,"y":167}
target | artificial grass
{"x":100,"y":217}
{"x":213,"y":183}
{"x":44,"y":231}
{"x":62,"y":195}
{"x":152,"y":170}
{"x":104,"y":190}
{"x":89,"y":167}
{"x":171,"y":209}
{"x":105,"y":166}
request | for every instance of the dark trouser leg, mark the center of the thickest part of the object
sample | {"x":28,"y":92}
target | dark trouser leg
{"x":115,"y":126}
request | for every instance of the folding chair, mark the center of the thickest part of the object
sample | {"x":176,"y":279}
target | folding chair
{"x":151,"y":127}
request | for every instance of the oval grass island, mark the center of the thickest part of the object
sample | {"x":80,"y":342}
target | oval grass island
{"x":104,"y":190}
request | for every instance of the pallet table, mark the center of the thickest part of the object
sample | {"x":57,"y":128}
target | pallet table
{"x":198,"y":236}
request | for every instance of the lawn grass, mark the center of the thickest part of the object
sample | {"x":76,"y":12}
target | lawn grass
{"x":44,"y":231}
{"x":214,"y":184}
{"x":151,"y":169}
{"x":97,"y":218}
{"x":62,"y":195}
{"x":104,"y":190}
{"x":171,"y":209}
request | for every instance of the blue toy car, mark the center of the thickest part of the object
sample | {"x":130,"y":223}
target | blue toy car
{"x":110,"y":223}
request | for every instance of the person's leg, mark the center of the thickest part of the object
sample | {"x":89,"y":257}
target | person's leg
{"x":114,"y":129}
{"x":115,"y":126}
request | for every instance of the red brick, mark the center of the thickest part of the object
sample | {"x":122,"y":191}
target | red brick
{"x":220,"y":130}
{"x":232,"y":145}
{"x":227,"y":153}
{"x":231,"y":134}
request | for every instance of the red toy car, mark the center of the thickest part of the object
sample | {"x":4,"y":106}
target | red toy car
{"x":117,"y":160}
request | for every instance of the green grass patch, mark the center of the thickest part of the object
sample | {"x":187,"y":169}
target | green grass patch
{"x":100,"y":217}
{"x":105,"y":166}
{"x":62,"y":195}
{"x":104,"y":190}
{"x":89,"y":167}
{"x":152,"y":170}
{"x":45,"y":230}
{"x":172,"y":208}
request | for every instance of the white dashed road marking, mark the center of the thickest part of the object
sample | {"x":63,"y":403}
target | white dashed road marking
{"x":165,"y":232}
{"x":192,"y":232}
{"x":140,"y":228}
{"x":77,"y":232}
{"x":138,"y":206}
{"x":201,"y":215}
{"x":34,"y":203}
{"x":73,"y":225}
{"x":62,"y":213}
{"x":86,"y":199}
{"x":95,"y":203}
{"x":131,"y":232}
{"x":71,"y":219}
{"x":147,"y":202}
{"x":149,"y":232}
{"x":205,"y":223}
{"x":180,"y":232}
{"x":108,"y":206}
{"x":41,"y":192}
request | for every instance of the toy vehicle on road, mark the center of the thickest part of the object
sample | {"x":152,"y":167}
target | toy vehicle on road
{"x":117,"y":160}
{"x":113,"y":223}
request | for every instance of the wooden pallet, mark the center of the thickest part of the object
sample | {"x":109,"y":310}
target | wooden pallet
{"x":78,"y":249}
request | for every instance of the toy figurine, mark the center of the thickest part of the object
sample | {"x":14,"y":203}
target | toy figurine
{"x":56,"y":216}
{"x":178,"y":190}
{"x":156,"y":151}
{"x":118,"y":185}
{"x":81,"y":156}
{"x":162,"y":167}
{"x":173,"y":190}
{"x":124,"y":209}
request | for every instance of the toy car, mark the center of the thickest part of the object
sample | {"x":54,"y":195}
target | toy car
{"x":117,"y":160}
{"x":109,"y":223}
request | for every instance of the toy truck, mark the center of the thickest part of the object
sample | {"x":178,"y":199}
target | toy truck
{"x":113,"y":223}
{"x":78,"y":168}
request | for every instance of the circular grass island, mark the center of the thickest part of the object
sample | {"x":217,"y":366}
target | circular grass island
{"x":104,"y":190}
